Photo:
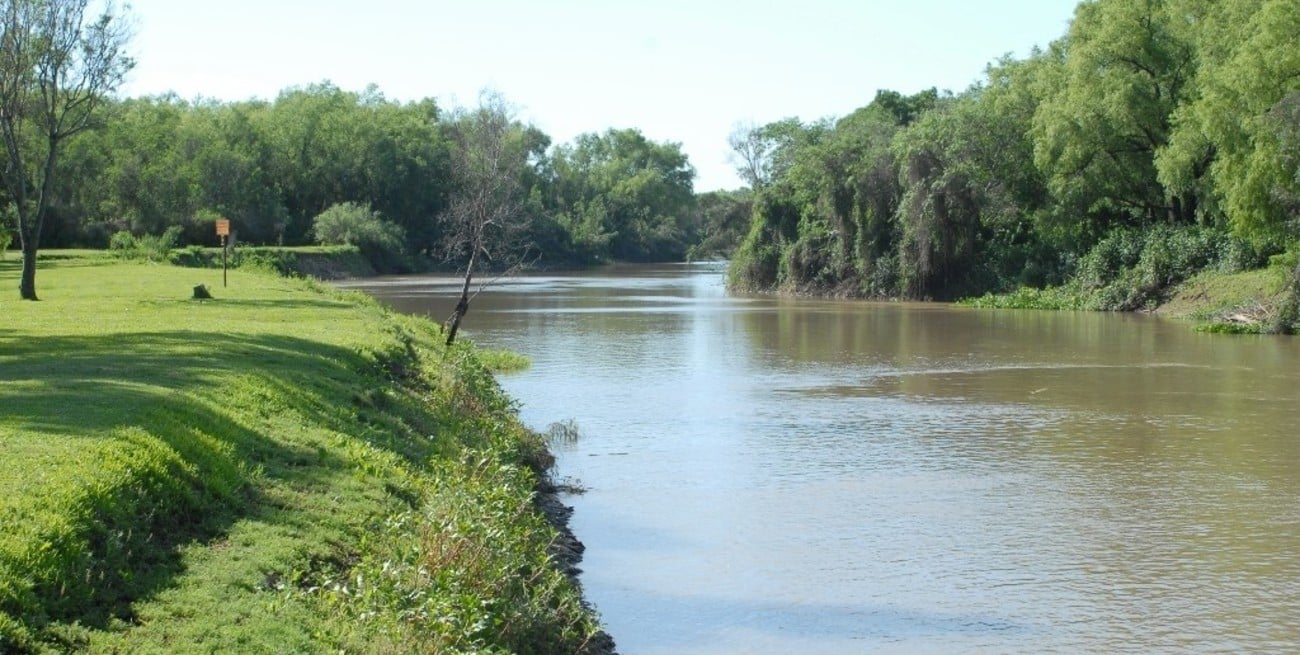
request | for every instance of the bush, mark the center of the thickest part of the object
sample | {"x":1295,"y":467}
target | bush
{"x":1131,"y":269}
{"x":146,"y":247}
{"x":1288,"y":315}
{"x":1066,"y":297}
{"x":1103,"y":264}
{"x":351,"y":224}
{"x":754,"y":268}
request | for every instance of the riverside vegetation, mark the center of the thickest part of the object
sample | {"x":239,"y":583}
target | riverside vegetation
{"x":286,"y":468}
{"x":1154,"y":142}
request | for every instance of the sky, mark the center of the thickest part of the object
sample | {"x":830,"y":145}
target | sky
{"x":684,"y":71}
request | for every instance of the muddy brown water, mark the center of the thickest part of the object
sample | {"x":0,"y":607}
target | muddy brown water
{"x":807,"y":476}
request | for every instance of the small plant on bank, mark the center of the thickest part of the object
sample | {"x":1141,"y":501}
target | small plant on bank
{"x":503,"y":361}
{"x":563,"y":432}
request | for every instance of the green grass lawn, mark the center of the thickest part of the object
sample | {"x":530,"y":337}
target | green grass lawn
{"x":285,"y":468}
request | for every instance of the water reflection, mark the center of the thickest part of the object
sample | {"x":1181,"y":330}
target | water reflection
{"x":774,"y":476}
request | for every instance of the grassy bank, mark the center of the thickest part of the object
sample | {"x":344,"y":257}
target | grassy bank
{"x":282,"y":469}
{"x":1252,"y":302}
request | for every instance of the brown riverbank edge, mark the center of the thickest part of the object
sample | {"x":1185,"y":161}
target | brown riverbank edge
{"x":567,"y":552}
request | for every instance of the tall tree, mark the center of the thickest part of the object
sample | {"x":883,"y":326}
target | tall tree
{"x":1098,"y":131}
{"x":1240,"y":120}
{"x":57,"y":66}
{"x":626,"y":197}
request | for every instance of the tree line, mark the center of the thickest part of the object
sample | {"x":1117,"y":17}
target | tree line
{"x":317,"y":164}
{"x":273,"y":167}
{"x":1157,"y":137}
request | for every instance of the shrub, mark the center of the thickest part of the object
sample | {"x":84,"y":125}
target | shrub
{"x":1131,"y":269}
{"x":351,"y":224}
{"x":1066,"y":297}
{"x":1288,"y":315}
{"x":1104,"y":263}
{"x":154,"y":248}
{"x":754,"y":268}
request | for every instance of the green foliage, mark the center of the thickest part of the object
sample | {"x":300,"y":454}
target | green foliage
{"x":284,"y":468}
{"x":1058,"y":298}
{"x":147,"y":247}
{"x":624,"y":197}
{"x":1155,"y":140}
{"x":321,"y":262}
{"x":272,"y":167}
{"x":1286,"y":320}
{"x":351,"y":224}
{"x":723,"y":221}
{"x":503,"y":361}
{"x":1238,"y":135}
{"x":1230,"y":328}
{"x":1125,"y":68}
{"x":1132,"y":269}
{"x":754,"y":266}
{"x":467,"y":570}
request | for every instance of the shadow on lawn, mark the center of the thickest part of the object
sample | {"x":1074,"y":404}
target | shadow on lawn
{"x":130,"y":392}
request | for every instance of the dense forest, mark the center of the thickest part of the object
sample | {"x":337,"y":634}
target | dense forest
{"x":1155,"y":139}
{"x":321,"y":164}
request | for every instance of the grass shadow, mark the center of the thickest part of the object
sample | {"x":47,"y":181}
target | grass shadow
{"x":276,"y":304}
{"x":152,"y":402}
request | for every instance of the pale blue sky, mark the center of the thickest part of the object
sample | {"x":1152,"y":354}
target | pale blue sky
{"x":679,"y":70}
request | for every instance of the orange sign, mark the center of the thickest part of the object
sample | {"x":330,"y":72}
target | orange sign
{"x":223,"y":227}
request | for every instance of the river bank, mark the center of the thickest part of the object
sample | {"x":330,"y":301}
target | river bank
{"x":284,"y":468}
{"x":768,"y":476}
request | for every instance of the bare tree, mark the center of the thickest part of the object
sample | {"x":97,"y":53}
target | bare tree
{"x":485,"y":219}
{"x":57,"y":67}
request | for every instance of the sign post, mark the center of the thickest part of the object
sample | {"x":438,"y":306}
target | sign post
{"x":223,"y":230}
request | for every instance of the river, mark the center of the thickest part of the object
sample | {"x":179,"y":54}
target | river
{"x":772,"y":475}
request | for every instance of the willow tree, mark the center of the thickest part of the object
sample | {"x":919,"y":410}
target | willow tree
{"x":1107,"y":114}
{"x":58,"y":64}
{"x":1243,"y":121}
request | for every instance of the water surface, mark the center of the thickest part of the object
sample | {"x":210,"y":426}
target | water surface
{"x":779,"y":476}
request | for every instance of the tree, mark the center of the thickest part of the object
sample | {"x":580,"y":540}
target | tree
{"x":1124,"y":71}
{"x":57,"y":66}
{"x":486,"y":210}
{"x":752,"y":154}
{"x":626,"y":197}
{"x":761,"y":153}
{"x":1242,"y":118}
{"x":723,"y":220}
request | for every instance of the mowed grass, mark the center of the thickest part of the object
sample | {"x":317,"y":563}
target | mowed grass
{"x":285,"y":468}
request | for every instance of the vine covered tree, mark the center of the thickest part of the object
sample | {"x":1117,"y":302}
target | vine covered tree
{"x":57,"y":67}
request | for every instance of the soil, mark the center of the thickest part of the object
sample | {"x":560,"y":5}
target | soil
{"x":567,"y":552}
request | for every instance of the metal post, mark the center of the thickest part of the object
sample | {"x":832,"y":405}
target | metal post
{"x":223,"y":260}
